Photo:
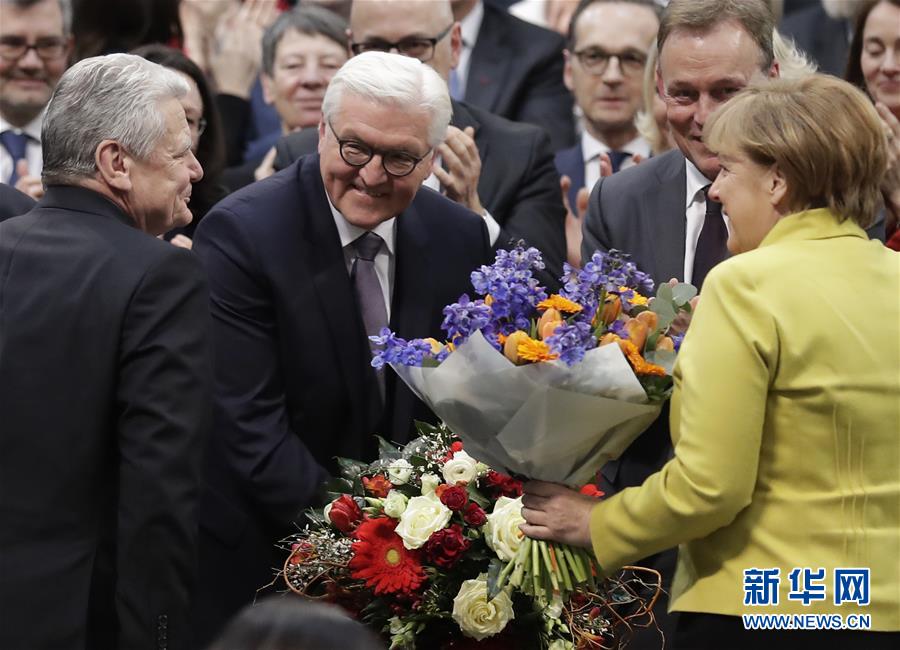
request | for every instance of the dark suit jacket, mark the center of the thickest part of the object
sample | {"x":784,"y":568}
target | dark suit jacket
{"x":13,"y":202}
{"x":516,"y":70}
{"x":519,"y":185}
{"x":570,"y":162}
{"x":105,"y":383}
{"x":294,"y":380}
{"x":825,"y":39}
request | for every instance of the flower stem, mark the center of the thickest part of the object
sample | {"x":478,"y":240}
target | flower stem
{"x":535,"y":569}
{"x":554,"y":581}
{"x":520,"y":559}
{"x":577,"y":570}
{"x":557,"y":554}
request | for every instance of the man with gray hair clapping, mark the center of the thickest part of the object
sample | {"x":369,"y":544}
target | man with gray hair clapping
{"x":104,"y":372}
{"x":303,"y":267}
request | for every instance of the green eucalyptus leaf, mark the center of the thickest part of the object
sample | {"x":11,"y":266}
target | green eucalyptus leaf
{"x":683,"y":292}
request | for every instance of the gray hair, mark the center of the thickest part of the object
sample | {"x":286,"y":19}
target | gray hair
{"x":310,"y":20}
{"x":394,"y":79}
{"x":65,"y":8}
{"x":113,"y":97}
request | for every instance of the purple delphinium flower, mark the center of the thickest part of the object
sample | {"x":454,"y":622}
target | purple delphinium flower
{"x":571,"y":340}
{"x":464,"y":318}
{"x":399,"y":350}
{"x":514,"y":291}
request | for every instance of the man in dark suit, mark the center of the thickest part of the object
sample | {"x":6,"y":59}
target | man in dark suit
{"x":514,"y":69}
{"x":499,"y":169}
{"x":605,"y":56}
{"x":658,"y":211}
{"x":303,"y":266}
{"x":13,"y":202}
{"x":823,"y":32}
{"x":105,"y":373}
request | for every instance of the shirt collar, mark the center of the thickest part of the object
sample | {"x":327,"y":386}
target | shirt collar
{"x":696,"y":181}
{"x":591,"y":147}
{"x":32,"y":129}
{"x":471,"y":24}
{"x":349,"y":233}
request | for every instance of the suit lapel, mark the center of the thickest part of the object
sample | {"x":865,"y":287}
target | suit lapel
{"x":665,"y":229}
{"x":328,"y":269}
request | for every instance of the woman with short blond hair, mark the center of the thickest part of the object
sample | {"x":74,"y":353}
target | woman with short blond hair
{"x":787,"y":392}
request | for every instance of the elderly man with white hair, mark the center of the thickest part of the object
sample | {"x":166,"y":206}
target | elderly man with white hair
{"x":104,"y":373}
{"x":303,"y":266}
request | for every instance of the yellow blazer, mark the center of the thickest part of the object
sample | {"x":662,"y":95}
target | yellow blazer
{"x":786,"y":426}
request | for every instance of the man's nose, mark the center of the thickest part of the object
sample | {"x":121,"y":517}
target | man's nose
{"x":373,"y":172}
{"x":195,"y":168}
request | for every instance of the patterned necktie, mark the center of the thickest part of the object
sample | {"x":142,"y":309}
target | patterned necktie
{"x":617,"y":158}
{"x":711,"y":243}
{"x":15,"y":144}
{"x":369,"y":295}
{"x":454,"y":85}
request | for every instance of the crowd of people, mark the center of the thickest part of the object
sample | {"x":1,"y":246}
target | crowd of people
{"x":208,"y":206}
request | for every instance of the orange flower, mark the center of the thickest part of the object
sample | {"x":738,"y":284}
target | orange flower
{"x":378,"y":486}
{"x":640,"y":365}
{"x":531,"y":350}
{"x":380,"y":559}
{"x":562,"y":304}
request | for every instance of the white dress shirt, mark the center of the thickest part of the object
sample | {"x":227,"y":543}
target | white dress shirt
{"x":695,"y":215}
{"x":32,"y":150}
{"x":591,"y":148}
{"x":384,"y":259}
{"x":470,"y":26}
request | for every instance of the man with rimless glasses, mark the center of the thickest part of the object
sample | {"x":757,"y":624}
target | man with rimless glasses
{"x":606,"y":51}
{"x":303,"y":266}
{"x":34,"y":48}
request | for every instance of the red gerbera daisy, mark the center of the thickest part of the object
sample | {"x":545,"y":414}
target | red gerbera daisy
{"x":380,"y":558}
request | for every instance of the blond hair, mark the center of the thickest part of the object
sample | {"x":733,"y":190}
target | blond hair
{"x":822,"y":134}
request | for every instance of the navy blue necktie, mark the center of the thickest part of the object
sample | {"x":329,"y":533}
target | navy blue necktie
{"x":617,"y":158}
{"x":711,"y":244}
{"x":15,"y":144}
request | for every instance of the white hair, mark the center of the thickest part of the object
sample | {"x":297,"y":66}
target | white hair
{"x":113,"y":97}
{"x":401,"y":81}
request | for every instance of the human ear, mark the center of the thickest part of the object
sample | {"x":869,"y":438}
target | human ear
{"x":114,"y":165}
{"x":777,"y":187}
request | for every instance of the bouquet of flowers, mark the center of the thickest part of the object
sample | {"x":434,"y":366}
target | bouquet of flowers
{"x":414,"y":545}
{"x":547,"y":386}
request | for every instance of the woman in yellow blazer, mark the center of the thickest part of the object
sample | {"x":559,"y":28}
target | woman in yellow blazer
{"x":786,"y":410}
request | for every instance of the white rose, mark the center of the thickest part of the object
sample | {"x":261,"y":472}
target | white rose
{"x":395,"y":504}
{"x":429,"y":483}
{"x":399,"y":471}
{"x":502,"y":528}
{"x":461,"y":467}
{"x":476,"y":617}
{"x":422,"y":517}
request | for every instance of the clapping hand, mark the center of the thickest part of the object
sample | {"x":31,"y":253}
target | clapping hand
{"x":890,"y":187}
{"x":460,"y":179}
{"x":556,"y":513}
{"x":574,"y":220}
{"x":28,"y":184}
{"x":237,"y":54}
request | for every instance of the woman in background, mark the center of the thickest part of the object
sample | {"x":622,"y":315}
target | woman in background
{"x":206,"y":135}
{"x":874,"y":66}
{"x":786,"y":405}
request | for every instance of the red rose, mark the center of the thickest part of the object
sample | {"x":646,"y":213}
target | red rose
{"x":592,"y":490}
{"x":503,"y":485}
{"x":345,"y":514}
{"x":446,"y":546}
{"x":454,"y":497}
{"x":474,"y":515}
{"x":456,"y":446}
{"x":378,"y":486}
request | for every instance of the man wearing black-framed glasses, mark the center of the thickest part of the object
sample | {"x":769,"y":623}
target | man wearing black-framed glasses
{"x":34,"y":46}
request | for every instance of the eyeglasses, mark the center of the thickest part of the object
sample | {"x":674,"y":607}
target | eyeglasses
{"x":414,"y":46}
{"x":358,"y":154}
{"x":198,"y":125}
{"x":596,"y":61}
{"x":15,"y":47}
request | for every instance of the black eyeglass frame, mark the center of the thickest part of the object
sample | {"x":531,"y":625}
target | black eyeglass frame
{"x":13,"y":48}
{"x":373,"y":151}
{"x":384,"y":46}
{"x":602,"y":67}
